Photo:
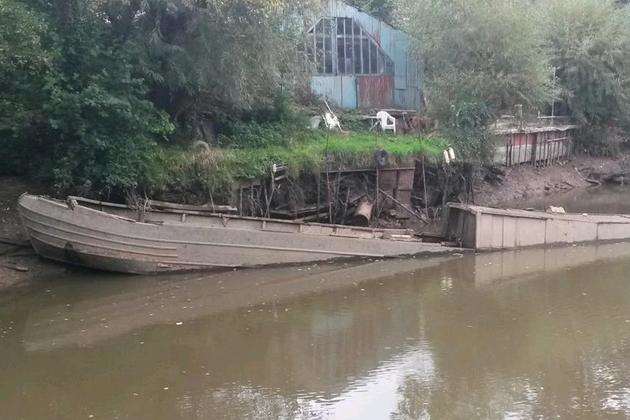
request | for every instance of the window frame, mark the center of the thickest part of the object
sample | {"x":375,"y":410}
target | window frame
{"x":328,"y":44}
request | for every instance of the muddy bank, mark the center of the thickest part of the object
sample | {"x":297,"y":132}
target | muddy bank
{"x":19,"y":266}
{"x":523,"y":183}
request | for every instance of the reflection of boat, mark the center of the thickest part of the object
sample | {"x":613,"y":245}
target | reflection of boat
{"x":484,"y":228}
{"x":495,"y":268}
{"x":117,"y":238}
{"x":114,"y":308}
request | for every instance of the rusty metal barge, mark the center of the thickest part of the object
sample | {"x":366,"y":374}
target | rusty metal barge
{"x":490,"y":229}
{"x":117,"y":238}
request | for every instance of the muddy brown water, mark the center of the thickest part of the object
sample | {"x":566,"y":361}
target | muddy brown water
{"x":527,"y":334}
{"x":521,"y":334}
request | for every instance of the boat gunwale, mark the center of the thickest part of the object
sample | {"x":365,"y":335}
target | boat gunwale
{"x":340,"y":253}
{"x":196,"y":243}
{"x":225,"y":216}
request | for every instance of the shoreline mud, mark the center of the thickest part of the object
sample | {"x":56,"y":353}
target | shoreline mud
{"x":21,"y":267}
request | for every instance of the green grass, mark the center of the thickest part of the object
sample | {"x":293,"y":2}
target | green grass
{"x":218,"y":171}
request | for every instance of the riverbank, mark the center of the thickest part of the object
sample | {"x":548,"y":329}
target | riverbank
{"x":524,"y":182}
{"x":512,"y":187}
{"x":19,"y":265}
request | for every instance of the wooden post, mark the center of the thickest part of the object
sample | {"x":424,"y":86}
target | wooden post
{"x":424,"y":185}
{"x":328,"y":197}
{"x":378,"y":189}
{"x":251,"y":199}
{"x":240,"y":200}
{"x":319,"y":193}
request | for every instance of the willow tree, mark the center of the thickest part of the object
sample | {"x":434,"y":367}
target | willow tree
{"x":212,"y":57}
{"x":590,"y":45}
{"x":480,"y":57}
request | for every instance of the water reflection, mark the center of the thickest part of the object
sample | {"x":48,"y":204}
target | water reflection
{"x":514,"y":335}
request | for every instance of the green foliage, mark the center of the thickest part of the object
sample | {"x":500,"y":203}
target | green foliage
{"x":84,"y":119}
{"x":382,"y":9}
{"x":93,"y":92}
{"x":215,"y":58}
{"x":480,"y":57}
{"x":215,"y":173}
{"x":25,"y":66}
{"x":598,"y":141}
{"x":279,"y":125}
{"x":89,"y":88}
{"x":590,"y":41}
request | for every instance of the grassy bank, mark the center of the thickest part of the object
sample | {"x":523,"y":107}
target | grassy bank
{"x":214,"y":173}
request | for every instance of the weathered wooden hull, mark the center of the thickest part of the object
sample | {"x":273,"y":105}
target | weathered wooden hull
{"x":484,"y":228}
{"x":112,"y":240}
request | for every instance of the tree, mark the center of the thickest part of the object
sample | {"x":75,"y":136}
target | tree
{"x":215,"y":57}
{"x":590,"y":45}
{"x":85,"y":119}
{"x":95,"y":85}
{"x":382,"y":9}
{"x":25,"y":65}
{"x":480,"y":57}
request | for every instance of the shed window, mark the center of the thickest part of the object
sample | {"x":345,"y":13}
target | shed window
{"x":342,"y":46}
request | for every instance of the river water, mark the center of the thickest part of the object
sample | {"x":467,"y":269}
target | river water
{"x":523,"y":334}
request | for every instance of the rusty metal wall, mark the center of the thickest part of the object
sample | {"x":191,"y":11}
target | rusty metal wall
{"x":375,"y":91}
{"x":542,"y":148}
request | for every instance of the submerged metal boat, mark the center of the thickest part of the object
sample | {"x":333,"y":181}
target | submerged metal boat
{"x":490,"y":229}
{"x":117,"y":238}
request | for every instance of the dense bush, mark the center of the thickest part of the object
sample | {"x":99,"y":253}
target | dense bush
{"x":25,"y":67}
{"x":88,"y":88}
{"x":483,"y":57}
{"x":89,"y":124}
{"x":383,"y":9}
{"x":590,"y":44}
{"x":480,"y":57}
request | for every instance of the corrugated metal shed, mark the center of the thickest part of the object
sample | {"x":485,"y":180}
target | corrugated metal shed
{"x":399,"y":87}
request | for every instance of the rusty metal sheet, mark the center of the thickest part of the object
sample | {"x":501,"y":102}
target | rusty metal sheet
{"x":375,"y":91}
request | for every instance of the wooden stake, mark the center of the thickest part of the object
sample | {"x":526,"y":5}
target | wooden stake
{"x":319,"y":193}
{"x":424,"y":185}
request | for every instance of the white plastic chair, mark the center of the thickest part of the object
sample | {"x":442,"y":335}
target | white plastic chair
{"x":332,"y":122}
{"x":387,"y":121}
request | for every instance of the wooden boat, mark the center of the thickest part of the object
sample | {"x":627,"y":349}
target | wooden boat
{"x":117,"y":238}
{"x":485,"y":228}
